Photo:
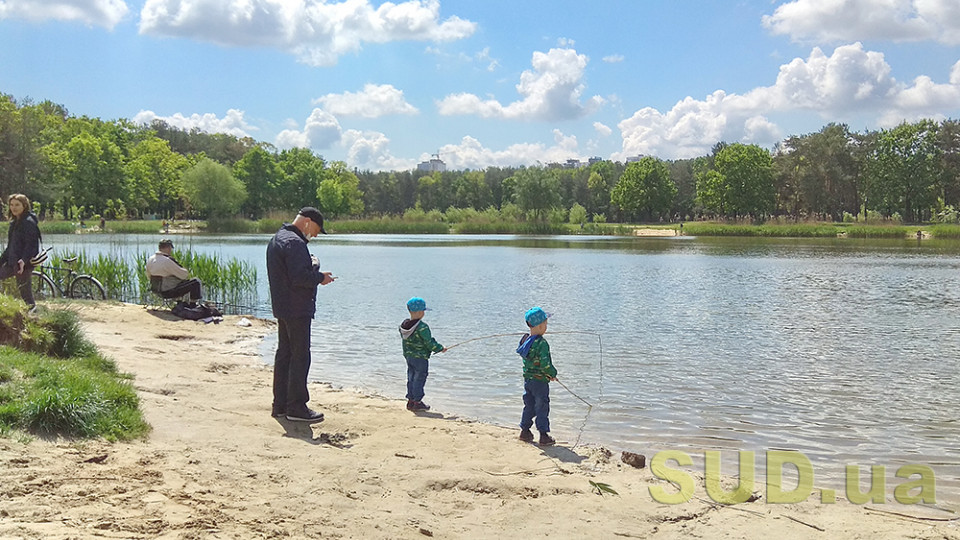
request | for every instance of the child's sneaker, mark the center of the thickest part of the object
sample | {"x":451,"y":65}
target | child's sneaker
{"x":545,"y":439}
{"x":526,"y":435}
{"x":411,"y":405}
{"x":421,"y":406}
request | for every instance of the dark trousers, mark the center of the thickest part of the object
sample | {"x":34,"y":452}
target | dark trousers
{"x":536,"y":403}
{"x":291,"y":365}
{"x":24,"y":281}
{"x":191,"y":286}
{"x":416,"y":377}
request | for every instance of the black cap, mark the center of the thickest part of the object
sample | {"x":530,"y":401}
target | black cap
{"x":314,"y":215}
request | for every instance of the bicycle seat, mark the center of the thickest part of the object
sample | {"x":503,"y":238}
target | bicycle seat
{"x":71,"y":259}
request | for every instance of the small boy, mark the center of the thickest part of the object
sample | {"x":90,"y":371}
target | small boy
{"x":538,"y":371}
{"x":418,"y":344}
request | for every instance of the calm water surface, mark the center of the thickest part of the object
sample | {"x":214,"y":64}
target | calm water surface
{"x":845,"y":350}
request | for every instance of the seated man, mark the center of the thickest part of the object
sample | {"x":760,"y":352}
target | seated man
{"x":168,"y":278}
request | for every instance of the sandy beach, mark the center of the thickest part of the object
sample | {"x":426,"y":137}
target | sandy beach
{"x":216,"y":465}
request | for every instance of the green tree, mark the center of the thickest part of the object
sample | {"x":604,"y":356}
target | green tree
{"x":339,"y":192}
{"x":94,"y":171}
{"x":741,"y":183}
{"x":817,"y":173}
{"x":212,"y":189}
{"x":645,"y":188}
{"x":578,"y":214}
{"x":905,"y":170}
{"x":537,"y":192}
{"x":302,"y":173}
{"x":260,"y":175}
{"x":155,"y":176}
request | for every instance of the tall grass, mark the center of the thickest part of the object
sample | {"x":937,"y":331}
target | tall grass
{"x":386,"y":226}
{"x":226,"y":281}
{"x":509,"y":227}
{"x":945,"y":231}
{"x":879,"y":231}
{"x":65,"y":386}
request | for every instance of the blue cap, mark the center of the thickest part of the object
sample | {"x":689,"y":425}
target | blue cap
{"x":535,"y":316}
{"x":417,"y":304}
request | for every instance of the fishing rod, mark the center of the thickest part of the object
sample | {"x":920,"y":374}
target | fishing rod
{"x":599,"y":340}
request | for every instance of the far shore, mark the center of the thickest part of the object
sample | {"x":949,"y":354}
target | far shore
{"x":216,"y":465}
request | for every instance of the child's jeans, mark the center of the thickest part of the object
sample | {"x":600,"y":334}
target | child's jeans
{"x":416,"y":377}
{"x":536,"y":402}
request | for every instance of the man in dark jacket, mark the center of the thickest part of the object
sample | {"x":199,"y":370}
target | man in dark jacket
{"x":294,"y":275}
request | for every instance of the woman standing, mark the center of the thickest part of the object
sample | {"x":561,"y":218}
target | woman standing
{"x":23,"y":243}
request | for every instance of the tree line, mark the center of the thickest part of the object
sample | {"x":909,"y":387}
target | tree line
{"x":78,"y":167}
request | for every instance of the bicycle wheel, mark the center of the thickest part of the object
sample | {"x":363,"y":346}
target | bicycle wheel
{"x":87,"y":288}
{"x":43,"y":287}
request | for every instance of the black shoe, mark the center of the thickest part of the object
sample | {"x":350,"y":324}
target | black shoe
{"x":545,"y":440}
{"x":411,"y":405}
{"x":419,"y":406}
{"x":307,"y":415}
{"x":526,"y":435}
{"x":278,"y":413}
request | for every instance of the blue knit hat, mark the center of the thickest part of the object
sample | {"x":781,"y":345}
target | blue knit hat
{"x":535,"y":316}
{"x":417,"y":304}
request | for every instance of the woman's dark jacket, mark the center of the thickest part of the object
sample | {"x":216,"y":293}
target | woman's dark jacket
{"x":23,"y":240}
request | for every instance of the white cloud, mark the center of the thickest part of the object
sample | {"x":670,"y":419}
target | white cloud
{"x":374,"y":101}
{"x":320,"y":131}
{"x":105,"y":13}
{"x":850,"y":82}
{"x":613,"y":58}
{"x":602,"y":129}
{"x":231,"y":124}
{"x":855,"y":20}
{"x":470,"y":153}
{"x":551,"y":91}
{"x":369,"y":150}
{"x":316,"y":31}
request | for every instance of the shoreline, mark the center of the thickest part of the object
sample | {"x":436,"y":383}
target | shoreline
{"x":216,"y":465}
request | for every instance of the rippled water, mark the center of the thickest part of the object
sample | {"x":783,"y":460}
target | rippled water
{"x":845,"y":350}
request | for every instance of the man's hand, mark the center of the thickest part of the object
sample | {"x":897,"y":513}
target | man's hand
{"x":19,"y":267}
{"x":328,"y":278}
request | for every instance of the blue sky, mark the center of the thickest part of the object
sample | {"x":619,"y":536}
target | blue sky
{"x":489,"y":82}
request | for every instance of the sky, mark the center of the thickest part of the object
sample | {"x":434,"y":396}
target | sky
{"x":384,"y":86}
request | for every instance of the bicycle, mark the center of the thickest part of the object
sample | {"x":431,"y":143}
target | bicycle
{"x":76,"y":285}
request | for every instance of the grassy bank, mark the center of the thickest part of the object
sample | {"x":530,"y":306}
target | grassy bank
{"x":816,"y":230}
{"x":53,"y":381}
{"x":481,"y":225}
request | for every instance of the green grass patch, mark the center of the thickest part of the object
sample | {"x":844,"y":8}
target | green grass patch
{"x":386,"y":226}
{"x":944,"y":231}
{"x":61,"y":385}
{"x":879,"y":231}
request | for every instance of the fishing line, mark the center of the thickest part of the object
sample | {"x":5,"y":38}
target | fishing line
{"x":583,"y":425}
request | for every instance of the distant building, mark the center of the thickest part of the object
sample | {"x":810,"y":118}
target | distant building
{"x":637,"y":157}
{"x":434,"y":165}
{"x":594,"y":160}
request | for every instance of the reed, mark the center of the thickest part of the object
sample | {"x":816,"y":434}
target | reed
{"x":137,"y":226}
{"x":879,"y":231}
{"x":509,"y":227}
{"x":225,"y":281}
{"x":944,"y":231}
{"x":232,"y":226}
{"x":55,"y":227}
{"x":386,"y":226}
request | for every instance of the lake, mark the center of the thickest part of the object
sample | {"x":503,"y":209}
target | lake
{"x":846,"y":350}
